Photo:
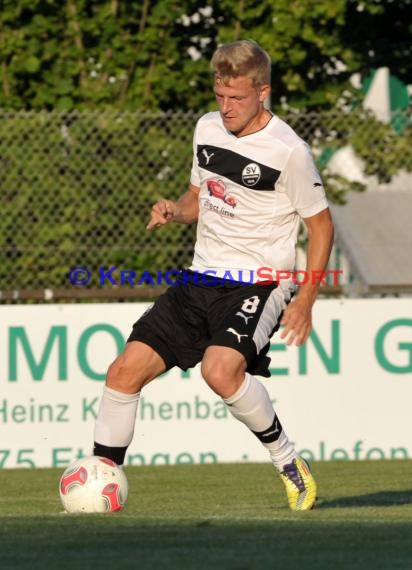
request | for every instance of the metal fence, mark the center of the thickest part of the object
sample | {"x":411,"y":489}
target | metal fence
{"x":77,"y":189}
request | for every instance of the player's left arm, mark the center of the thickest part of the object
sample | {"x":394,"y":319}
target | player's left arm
{"x":297,"y":317}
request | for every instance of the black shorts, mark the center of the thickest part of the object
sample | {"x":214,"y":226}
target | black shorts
{"x":188,"y":318}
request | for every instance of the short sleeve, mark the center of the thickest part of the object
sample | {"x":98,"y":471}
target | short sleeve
{"x":303,"y":184}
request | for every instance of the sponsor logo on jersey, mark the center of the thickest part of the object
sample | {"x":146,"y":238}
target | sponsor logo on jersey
{"x":218,"y":190}
{"x":251,"y":174}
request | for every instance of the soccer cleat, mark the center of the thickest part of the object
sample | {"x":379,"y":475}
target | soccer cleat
{"x":300,"y":485}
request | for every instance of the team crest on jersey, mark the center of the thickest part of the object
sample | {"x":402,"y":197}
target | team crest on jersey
{"x":251,"y":174}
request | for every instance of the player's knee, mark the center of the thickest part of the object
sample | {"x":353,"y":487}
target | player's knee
{"x":222,"y":380}
{"x":124,"y":376}
{"x":213,"y":376}
{"x":136,"y":366}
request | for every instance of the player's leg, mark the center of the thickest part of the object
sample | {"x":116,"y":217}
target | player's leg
{"x":224,"y":370}
{"x":126,"y":376}
{"x":237,"y":349}
{"x":249,"y":402}
{"x":157,"y":342}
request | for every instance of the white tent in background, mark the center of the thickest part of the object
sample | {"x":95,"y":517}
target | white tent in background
{"x":377,"y":98}
{"x":344,"y":162}
{"x":384,"y":95}
{"x":373,"y":235}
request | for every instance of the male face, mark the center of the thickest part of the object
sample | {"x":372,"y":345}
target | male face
{"x":240,"y":104}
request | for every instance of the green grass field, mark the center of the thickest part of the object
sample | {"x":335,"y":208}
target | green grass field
{"x":213,"y":517}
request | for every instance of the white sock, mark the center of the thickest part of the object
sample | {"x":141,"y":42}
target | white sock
{"x":252,"y":406}
{"x":115,"y":421}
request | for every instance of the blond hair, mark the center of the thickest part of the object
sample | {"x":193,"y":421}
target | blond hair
{"x":242,"y":58}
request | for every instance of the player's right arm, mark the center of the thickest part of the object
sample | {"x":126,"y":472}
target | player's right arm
{"x":183,"y":211}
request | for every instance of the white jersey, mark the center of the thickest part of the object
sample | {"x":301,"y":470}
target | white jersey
{"x":253,"y":191}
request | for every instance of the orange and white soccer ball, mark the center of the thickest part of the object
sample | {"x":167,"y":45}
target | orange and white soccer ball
{"x":93,"y":485}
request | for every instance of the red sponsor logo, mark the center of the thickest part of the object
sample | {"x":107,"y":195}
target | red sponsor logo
{"x":217,"y":189}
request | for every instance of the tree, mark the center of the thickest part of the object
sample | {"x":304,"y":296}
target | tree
{"x":155,"y":54}
{"x":76,"y":185}
{"x":316,"y":46}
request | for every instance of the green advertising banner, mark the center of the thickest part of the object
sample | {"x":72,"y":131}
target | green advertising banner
{"x":345,"y":394}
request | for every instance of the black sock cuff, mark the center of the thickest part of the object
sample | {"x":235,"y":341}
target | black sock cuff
{"x":116,"y":454}
{"x":270,"y":434}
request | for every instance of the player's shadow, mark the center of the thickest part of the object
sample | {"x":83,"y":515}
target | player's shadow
{"x":381,"y":499}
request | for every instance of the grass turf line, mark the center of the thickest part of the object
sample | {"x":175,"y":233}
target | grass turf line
{"x":215,"y":517}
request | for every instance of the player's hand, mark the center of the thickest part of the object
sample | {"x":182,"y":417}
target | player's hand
{"x":162,"y":213}
{"x":297,"y":322}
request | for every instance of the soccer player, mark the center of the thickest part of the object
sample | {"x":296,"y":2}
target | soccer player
{"x":252,"y":181}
